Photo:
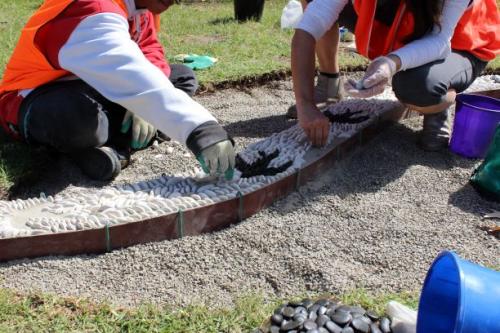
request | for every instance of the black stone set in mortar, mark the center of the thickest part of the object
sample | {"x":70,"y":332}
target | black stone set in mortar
{"x":261,"y":165}
{"x":326,"y":316}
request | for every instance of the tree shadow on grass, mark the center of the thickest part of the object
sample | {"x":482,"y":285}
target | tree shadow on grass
{"x":223,"y":20}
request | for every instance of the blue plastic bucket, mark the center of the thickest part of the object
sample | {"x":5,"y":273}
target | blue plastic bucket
{"x":476,"y":118}
{"x":459,"y":297}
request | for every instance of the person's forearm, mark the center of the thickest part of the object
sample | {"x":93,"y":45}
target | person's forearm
{"x":303,"y":67}
{"x":101,"y":53}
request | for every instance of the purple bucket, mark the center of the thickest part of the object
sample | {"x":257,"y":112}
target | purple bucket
{"x":476,"y":118}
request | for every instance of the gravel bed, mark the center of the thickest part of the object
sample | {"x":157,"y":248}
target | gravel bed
{"x":376,"y":220}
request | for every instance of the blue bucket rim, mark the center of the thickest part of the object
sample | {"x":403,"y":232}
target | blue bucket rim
{"x":456,"y":260}
{"x":460,"y":98}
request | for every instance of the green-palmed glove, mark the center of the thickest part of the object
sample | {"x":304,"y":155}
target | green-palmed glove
{"x":195,"y":61}
{"x":218,"y":159}
{"x":142,"y":131}
{"x":486,"y":178}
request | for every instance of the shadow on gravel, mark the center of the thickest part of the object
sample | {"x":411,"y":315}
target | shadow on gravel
{"x":382,"y":161}
{"x":468,"y":200}
{"x":54,"y":174}
{"x":259,"y":127}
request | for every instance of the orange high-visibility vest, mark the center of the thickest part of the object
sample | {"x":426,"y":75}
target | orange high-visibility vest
{"x":478,"y":30}
{"x":28,"y":68}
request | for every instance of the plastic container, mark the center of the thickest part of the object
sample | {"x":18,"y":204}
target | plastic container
{"x":459,"y":297}
{"x":245,"y":10}
{"x":291,"y":14}
{"x":476,"y":118}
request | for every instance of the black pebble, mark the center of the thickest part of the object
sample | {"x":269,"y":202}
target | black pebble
{"x":385,"y":325}
{"x":310,"y":325}
{"x":300,"y":309}
{"x":358,"y":309}
{"x":322,"y":302}
{"x":321,"y":320}
{"x":360,"y":325}
{"x":314,"y":307}
{"x":372,"y":315}
{"x":307,"y":303}
{"x":322,"y":310}
{"x":344,"y":308}
{"x":312,"y":315}
{"x":330,"y":312}
{"x":277,"y":319}
{"x":332,"y":327}
{"x":300,"y":317}
{"x":274,"y":329}
{"x":341,"y":317}
{"x":291,"y":325}
{"x":375,"y":329}
{"x":288,"y":312}
{"x":347,"y":330}
{"x":366,"y":320}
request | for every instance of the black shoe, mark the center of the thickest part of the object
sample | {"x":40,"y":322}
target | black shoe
{"x":436,"y":131}
{"x":101,"y":163}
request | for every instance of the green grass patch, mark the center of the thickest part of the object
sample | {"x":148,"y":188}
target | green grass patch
{"x":37,"y":313}
{"x":244,"y":50}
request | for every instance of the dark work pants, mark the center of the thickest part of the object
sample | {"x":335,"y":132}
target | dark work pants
{"x":71,"y":115}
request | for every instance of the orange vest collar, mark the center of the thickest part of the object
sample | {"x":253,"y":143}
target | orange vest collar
{"x":372,"y":37}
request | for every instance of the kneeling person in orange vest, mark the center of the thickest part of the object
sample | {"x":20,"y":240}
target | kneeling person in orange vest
{"x":430,"y":51}
{"x":89,"y":78}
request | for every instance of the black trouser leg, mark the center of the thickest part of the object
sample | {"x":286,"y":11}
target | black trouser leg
{"x":69,"y":116}
{"x":183,"y":78}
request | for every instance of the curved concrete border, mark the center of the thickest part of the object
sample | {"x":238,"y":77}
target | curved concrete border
{"x":194,"y":221}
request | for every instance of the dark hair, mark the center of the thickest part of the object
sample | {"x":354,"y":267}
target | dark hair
{"x":427,"y":14}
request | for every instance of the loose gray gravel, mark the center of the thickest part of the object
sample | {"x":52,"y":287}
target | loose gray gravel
{"x":376,"y":221}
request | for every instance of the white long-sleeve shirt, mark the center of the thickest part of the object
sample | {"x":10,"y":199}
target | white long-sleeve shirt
{"x":320,"y":15}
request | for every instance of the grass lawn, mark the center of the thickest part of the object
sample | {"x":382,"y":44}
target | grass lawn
{"x":45,"y":313}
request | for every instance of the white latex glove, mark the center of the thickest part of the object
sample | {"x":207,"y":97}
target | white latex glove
{"x":377,"y":76}
{"x":404,"y":319}
{"x":218,"y":159}
{"x":142,"y":131}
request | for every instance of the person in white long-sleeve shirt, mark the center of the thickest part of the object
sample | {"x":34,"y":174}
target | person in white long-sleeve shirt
{"x":429,"y":50}
{"x":89,"y":78}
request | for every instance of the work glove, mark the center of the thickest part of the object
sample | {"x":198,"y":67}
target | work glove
{"x":142,"y":131}
{"x":218,"y":159}
{"x":195,"y":61}
{"x":378,"y":74}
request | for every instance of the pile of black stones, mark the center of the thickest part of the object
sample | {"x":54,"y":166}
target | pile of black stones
{"x":325,"y":316}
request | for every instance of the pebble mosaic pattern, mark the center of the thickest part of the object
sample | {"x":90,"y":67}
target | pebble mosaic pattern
{"x":167,"y":194}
